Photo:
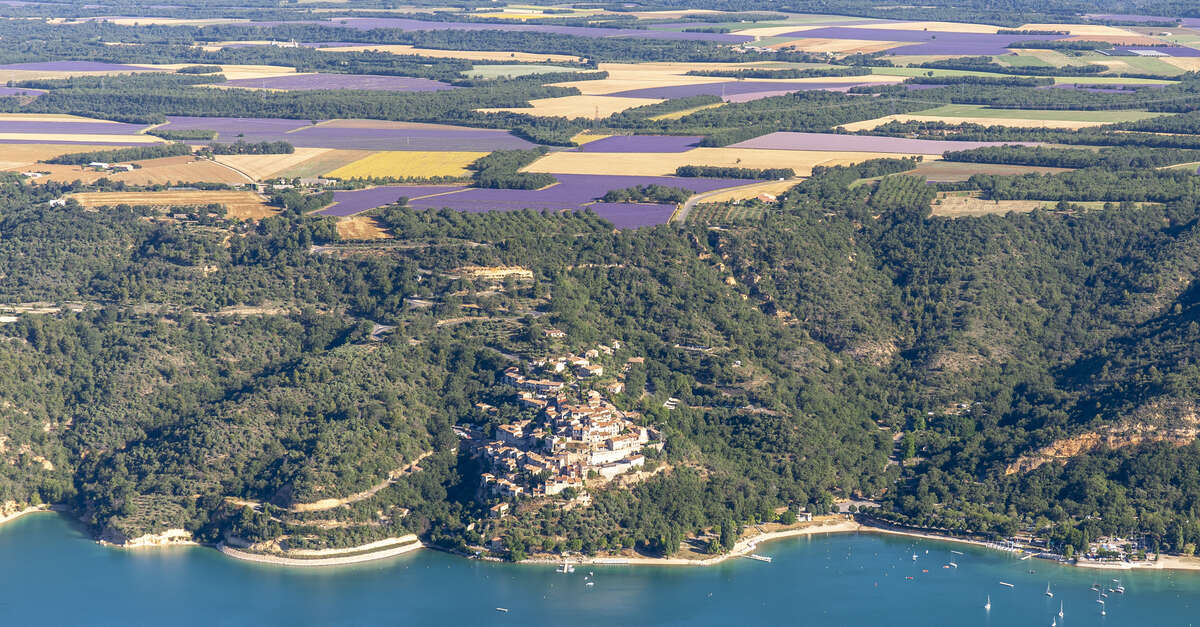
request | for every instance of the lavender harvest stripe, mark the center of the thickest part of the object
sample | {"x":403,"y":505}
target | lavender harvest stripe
{"x":642,"y":143}
{"x":341,"y":81}
{"x":67,"y":127}
{"x":861,"y":143}
{"x":348,"y":203}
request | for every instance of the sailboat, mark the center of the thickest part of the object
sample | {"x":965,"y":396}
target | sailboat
{"x":988,"y":606}
{"x":1119,"y":589}
{"x":1053,"y":622}
{"x":1060,"y":609}
{"x":1048,"y":592}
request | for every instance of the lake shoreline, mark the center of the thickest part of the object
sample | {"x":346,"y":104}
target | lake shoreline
{"x":743,"y":548}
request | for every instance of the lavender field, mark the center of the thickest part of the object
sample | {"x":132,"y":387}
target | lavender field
{"x":387,"y":136}
{"x":1170,"y":51}
{"x":573,"y":192}
{"x":20,"y":91}
{"x":370,"y":82}
{"x":69,"y":127}
{"x":348,"y":203}
{"x":633,"y":215}
{"x":731,"y":90}
{"x":926,"y":42}
{"x":75,"y":66}
{"x":642,"y":143}
{"x":370,"y":23}
{"x":861,"y":143}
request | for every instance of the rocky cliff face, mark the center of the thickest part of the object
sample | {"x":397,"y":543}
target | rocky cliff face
{"x":170,"y":536}
{"x":1172,"y":422}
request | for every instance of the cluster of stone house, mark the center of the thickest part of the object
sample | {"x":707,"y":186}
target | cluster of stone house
{"x":567,"y":442}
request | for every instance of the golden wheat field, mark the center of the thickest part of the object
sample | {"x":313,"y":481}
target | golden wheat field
{"x":238,"y":205}
{"x":361,"y":228}
{"x":584,"y":137}
{"x":665,"y":164}
{"x":408,"y":164}
{"x":577,"y":106}
{"x":20,"y":156}
{"x":167,"y":170}
{"x":234,"y":72}
{"x":675,"y":115}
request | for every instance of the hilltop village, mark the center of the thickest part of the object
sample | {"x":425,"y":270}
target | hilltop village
{"x":573,"y":435}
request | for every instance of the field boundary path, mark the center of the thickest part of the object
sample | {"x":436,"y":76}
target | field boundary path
{"x":680,"y":215}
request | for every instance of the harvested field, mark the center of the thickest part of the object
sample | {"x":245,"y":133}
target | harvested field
{"x":79,"y":138}
{"x":867,"y":125}
{"x":511,"y":70}
{"x":664,"y":164}
{"x":751,"y":191}
{"x":951,"y":171}
{"x":235,"y":72}
{"x":1186,"y":64}
{"x":675,"y":115}
{"x":262,"y":167}
{"x":239,"y":205}
{"x":178,"y":170}
{"x":643,"y":143}
{"x":361,"y":228}
{"x":584,"y":137}
{"x":732,"y":90}
{"x":577,"y":106}
{"x":20,"y":155}
{"x":322,"y":162}
{"x":409,"y":164}
{"x":1098,"y":30}
{"x":861,"y":143}
{"x":471,"y":55}
{"x":961,"y":205}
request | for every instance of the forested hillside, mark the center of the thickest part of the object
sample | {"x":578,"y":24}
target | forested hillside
{"x":989,"y":374}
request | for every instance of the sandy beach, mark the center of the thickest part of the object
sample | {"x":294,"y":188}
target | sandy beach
{"x":4,"y":518}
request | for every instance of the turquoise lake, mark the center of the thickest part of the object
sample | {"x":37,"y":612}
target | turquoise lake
{"x":52,"y":574}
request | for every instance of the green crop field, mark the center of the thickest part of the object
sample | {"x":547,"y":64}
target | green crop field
{"x":498,"y":70}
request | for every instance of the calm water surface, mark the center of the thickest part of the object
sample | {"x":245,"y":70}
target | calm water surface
{"x":52,"y":574}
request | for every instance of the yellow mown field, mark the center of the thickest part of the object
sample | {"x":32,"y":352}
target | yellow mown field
{"x":1021,"y":123}
{"x":665,"y":164}
{"x":408,"y":163}
{"x":752,"y":191}
{"x":238,"y":205}
{"x":578,"y":106}
{"x":14,"y":156}
{"x":261,"y":167}
{"x":360,"y":228}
